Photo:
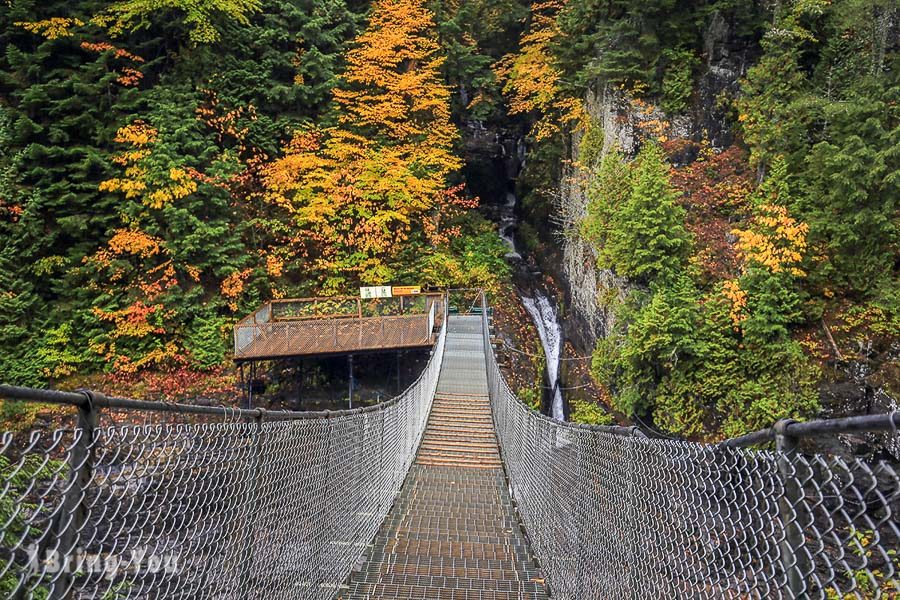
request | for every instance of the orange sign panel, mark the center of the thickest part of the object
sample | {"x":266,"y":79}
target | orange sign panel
{"x":406,"y":290}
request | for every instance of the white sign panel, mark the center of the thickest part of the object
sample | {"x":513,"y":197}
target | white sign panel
{"x":378,"y":291}
{"x":431,"y":318}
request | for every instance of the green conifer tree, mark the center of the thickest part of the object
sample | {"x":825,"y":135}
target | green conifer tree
{"x":647,"y":239}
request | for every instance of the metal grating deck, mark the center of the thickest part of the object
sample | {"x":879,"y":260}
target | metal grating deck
{"x":453,"y":533}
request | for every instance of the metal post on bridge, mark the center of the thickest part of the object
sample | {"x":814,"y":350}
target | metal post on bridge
{"x":70,"y":520}
{"x":249,"y":555}
{"x":793,"y":511}
{"x":634,"y":542}
{"x":581,"y":493}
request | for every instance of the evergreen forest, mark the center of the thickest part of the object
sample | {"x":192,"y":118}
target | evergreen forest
{"x":712,"y":186}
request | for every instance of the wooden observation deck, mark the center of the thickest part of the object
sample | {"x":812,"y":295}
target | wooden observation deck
{"x":337,"y":325}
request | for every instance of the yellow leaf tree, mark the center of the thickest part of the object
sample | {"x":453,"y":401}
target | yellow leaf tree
{"x":772,"y":247}
{"x":362,"y":190}
{"x":531,"y":80}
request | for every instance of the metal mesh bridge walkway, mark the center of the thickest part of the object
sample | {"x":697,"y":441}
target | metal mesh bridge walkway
{"x":453,"y":533}
{"x":410,"y":498}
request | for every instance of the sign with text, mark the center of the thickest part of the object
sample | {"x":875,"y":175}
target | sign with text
{"x":378,"y":291}
{"x":406,"y":290}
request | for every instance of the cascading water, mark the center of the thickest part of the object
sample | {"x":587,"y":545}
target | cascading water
{"x":540,"y":307}
{"x":543,"y":313}
{"x":508,"y":224}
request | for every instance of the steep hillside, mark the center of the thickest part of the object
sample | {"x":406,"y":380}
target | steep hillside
{"x":725,"y":178}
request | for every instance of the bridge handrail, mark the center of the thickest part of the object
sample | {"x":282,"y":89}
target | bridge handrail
{"x":98,"y":400}
{"x":231,"y":503}
{"x":613,"y":514}
{"x":801,"y":429}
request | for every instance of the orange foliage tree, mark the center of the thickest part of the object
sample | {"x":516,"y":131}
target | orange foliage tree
{"x":531,"y":78}
{"x":175,"y":264}
{"x":771,"y":247}
{"x":141,"y":264}
{"x":137,"y":262}
{"x":368,"y":189}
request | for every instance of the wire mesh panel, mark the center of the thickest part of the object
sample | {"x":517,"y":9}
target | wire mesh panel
{"x":612,"y":514}
{"x":235,"y":508}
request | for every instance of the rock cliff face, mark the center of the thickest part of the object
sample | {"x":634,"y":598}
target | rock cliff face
{"x":851,"y":386}
{"x":495,"y":157}
{"x":588,"y":290}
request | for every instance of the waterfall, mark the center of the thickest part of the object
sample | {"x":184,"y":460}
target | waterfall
{"x":541,"y":309}
{"x":508,"y":224}
{"x":543,"y":313}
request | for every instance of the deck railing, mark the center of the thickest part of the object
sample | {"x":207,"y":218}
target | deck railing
{"x":309,"y":326}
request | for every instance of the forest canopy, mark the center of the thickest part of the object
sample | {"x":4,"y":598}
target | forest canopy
{"x":167,"y":165}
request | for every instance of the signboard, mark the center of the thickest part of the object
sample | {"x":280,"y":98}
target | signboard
{"x":406,"y":290}
{"x":378,"y":291}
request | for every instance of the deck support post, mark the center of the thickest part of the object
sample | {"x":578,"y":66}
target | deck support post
{"x":301,"y":377}
{"x":350,"y":378}
{"x":243,"y":386}
{"x":399,"y":355}
{"x":250,"y":384}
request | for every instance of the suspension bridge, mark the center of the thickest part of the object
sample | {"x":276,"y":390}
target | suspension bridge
{"x":452,"y":490}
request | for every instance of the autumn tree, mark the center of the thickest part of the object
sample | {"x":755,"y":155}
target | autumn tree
{"x":63,"y":94}
{"x":685,"y":351}
{"x":772,"y":248}
{"x":531,"y":78}
{"x":128,"y":201}
{"x":176,"y":259}
{"x":200,"y":16}
{"x":378,"y":180}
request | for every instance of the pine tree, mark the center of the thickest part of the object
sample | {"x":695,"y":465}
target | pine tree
{"x":851,"y":190}
{"x":474,"y":35}
{"x":773,"y":115}
{"x":284,"y":63}
{"x":19,"y":313}
{"x":608,"y":189}
{"x":647,"y":239}
{"x":644,"y":46}
{"x":202,"y":17}
{"x":64,"y":93}
{"x":177,"y":254}
{"x":661,"y":337}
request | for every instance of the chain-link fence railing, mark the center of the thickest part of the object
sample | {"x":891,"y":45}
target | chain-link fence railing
{"x":612,"y":514}
{"x":232,"y":504}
